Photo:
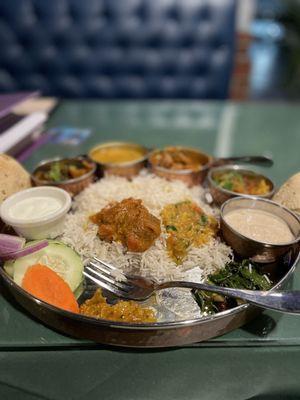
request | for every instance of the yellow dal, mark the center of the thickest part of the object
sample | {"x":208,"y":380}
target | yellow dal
{"x":117,"y":154}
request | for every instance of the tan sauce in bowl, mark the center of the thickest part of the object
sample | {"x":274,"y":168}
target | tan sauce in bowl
{"x":259,"y":225}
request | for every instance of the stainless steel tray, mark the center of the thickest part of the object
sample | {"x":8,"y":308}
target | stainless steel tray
{"x":161,"y":334}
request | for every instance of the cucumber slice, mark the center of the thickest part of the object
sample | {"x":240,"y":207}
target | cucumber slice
{"x":9,"y":268}
{"x":79,"y":290}
{"x":57,"y":256}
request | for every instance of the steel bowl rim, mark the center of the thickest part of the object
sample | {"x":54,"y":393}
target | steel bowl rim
{"x":122,"y":164}
{"x":147,"y":326}
{"x":67,"y":181}
{"x":201,"y":168}
{"x":235,"y":194}
{"x":245,"y":238}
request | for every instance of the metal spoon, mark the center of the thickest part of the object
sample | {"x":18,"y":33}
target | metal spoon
{"x":256,"y":160}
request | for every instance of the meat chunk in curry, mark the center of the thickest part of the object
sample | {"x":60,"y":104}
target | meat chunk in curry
{"x":128,"y":222}
{"x":177,"y":159}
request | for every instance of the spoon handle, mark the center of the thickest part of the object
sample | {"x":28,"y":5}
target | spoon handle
{"x":257,"y":160}
{"x":284,"y":301}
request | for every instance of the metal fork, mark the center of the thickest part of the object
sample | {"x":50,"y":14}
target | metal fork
{"x":138,"y":288}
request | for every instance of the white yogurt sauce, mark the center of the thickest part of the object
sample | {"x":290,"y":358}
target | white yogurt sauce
{"x":259,"y":225}
{"x":34,"y":208}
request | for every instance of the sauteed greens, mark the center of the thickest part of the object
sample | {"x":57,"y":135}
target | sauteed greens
{"x":237,"y":275}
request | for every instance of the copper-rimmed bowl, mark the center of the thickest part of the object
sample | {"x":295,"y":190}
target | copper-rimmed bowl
{"x":127,"y":169}
{"x":261,"y":252}
{"x":191,"y":177}
{"x":72,"y":186}
{"x":220,"y":194}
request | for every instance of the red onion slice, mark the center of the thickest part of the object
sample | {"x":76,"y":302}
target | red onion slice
{"x":25,"y":251}
{"x":10,"y":243}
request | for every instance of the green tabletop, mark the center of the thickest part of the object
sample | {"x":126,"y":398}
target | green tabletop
{"x":259,"y":360}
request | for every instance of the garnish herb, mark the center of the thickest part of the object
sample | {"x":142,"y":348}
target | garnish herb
{"x":171,"y":228}
{"x":203,"y":219}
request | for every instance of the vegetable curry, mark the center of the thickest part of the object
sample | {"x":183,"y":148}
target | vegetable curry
{"x":241,"y":182}
{"x":62,"y":170}
{"x":187,"y":225}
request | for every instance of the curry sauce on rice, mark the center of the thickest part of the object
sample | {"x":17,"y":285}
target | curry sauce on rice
{"x":112,"y":217}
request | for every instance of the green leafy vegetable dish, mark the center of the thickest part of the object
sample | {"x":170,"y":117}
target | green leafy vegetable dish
{"x":237,"y":275}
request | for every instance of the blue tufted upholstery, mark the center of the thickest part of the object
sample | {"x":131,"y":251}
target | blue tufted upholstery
{"x":117,"y":48}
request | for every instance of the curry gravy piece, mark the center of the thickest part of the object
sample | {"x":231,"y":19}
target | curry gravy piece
{"x":259,"y":225}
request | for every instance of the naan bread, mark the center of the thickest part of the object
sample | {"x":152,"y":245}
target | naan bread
{"x":13,"y":177}
{"x":289,"y":193}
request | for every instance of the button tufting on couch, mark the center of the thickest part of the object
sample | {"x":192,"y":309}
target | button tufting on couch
{"x":118,"y":48}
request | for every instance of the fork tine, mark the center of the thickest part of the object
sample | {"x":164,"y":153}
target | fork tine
{"x":104,"y":285}
{"x":102,"y":268}
{"x":106,"y":278}
{"x":111,"y":269}
{"x":105,"y":263}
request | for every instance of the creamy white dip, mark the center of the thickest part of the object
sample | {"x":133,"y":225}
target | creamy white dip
{"x":259,"y":225}
{"x":34,"y":208}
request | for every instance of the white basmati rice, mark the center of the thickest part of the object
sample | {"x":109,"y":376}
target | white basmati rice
{"x":155,"y":193}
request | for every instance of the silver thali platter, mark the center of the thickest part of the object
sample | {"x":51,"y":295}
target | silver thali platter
{"x":151,"y":335}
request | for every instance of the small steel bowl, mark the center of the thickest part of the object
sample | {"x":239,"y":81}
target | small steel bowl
{"x":72,"y":186}
{"x":220,"y":195}
{"x":189,"y":176}
{"x":259,"y":252}
{"x":126,"y":169}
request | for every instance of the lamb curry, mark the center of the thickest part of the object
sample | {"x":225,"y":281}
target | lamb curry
{"x":128,"y":222}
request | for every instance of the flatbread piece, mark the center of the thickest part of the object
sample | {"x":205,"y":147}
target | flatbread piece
{"x":13,"y":177}
{"x":289,"y":193}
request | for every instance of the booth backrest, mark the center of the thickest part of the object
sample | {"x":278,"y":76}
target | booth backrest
{"x":117,"y":48}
